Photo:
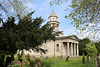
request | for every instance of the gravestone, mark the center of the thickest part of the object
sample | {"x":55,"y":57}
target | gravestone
{"x":54,"y":61}
{"x":38,"y":63}
{"x":83,"y":59}
{"x":28,"y":57}
{"x":99,"y":55}
{"x":17,"y":62}
{"x":46,"y":57}
{"x":87,"y":58}
{"x":61,"y":58}
{"x":40,"y":57}
{"x":25,"y":62}
{"x":67,"y":58}
{"x":97,"y":61}
{"x":33,"y":58}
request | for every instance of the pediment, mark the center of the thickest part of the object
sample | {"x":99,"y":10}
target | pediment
{"x":73,"y":37}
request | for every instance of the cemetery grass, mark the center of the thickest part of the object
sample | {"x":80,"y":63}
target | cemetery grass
{"x":72,"y":62}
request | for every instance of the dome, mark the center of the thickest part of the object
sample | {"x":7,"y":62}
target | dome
{"x":53,"y":14}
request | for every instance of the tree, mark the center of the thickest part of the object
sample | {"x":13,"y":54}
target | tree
{"x":82,"y":46}
{"x":97,"y":44}
{"x":85,"y":15}
{"x":15,"y":7}
{"x":91,"y":50}
{"x":27,"y":34}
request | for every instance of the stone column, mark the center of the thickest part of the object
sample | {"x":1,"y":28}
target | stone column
{"x":68,"y":48}
{"x":71,"y":49}
{"x":77,"y":50}
{"x":62,"y":48}
{"x":74,"y":49}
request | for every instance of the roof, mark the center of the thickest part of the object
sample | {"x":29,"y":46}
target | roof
{"x":73,"y":37}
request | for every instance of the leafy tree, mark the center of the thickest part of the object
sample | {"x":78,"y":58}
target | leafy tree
{"x":27,"y":34}
{"x":91,"y":50}
{"x":97,"y":44}
{"x":85,"y":15}
{"x":82,"y":46}
{"x":15,"y":7}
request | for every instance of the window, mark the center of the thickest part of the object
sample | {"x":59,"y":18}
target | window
{"x":57,"y":47}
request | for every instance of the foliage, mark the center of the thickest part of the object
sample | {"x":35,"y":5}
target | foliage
{"x":27,"y":34}
{"x":97,"y":44}
{"x":85,"y":15}
{"x":82,"y":46}
{"x":15,"y":7}
{"x":91,"y":50}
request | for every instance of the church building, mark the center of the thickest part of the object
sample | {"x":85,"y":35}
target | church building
{"x":63,"y":45}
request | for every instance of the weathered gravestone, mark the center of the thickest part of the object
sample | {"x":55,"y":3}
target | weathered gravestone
{"x":54,"y":61}
{"x":28,"y":57}
{"x":33,"y":58}
{"x":61,"y":58}
{"x":97,"y":62}
{"x":46,"y":57}
{"x":87,"y":58}
{"x":67,"y":58}
{"x":83,"y":59}
{"x":17,"y":63}
{"x":40,"y":57}
{"x":38,"y":63}
{"x":25,"y":62}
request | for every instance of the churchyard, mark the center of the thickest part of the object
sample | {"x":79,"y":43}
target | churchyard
{"x":52,"y":62}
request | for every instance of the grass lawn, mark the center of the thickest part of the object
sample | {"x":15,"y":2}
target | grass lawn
{"x":73,"y":62}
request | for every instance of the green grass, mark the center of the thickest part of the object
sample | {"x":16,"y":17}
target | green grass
{"x":72,"y":62}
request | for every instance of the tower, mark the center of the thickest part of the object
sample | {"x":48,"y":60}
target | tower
{"x":53,"y":21}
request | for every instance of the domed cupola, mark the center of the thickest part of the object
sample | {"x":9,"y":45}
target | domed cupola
{"x":53,"y":21}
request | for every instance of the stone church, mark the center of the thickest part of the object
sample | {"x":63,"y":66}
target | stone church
{"x":63,"y":45}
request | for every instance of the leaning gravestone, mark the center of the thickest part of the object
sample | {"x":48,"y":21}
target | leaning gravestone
{"x":87,"y":58}
{"x":38,"y":63}
{"x":67,"y":58}
{"x":17,"y":63}
{"x":24,"y":62}
{"x":61,"y":58}
{"x":83,"y":59}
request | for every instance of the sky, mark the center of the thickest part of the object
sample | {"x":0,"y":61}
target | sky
{"x":42,"y":8}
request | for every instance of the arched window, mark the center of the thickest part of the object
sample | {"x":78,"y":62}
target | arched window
{"x":57,"y":48}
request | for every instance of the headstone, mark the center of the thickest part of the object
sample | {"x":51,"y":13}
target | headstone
{"x":28,"y":57}
{"x":40,"y":57}
{"x":97,"y":61}
{"x":46,"y":57}
{"x":87,"y":58}
{"x":99,"y":55}
{"x":25,"y":62}
{"x":54,"y":61}
{"x":38,"y":63}
{"x":17,"y":62}
{"x":61,"y":58}
{"x":33,"y":58}
{"x":83,"y":59}
{"x":67,"y":58}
